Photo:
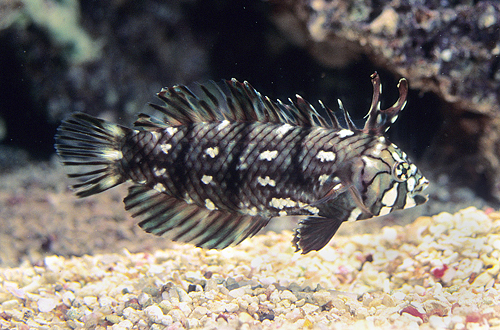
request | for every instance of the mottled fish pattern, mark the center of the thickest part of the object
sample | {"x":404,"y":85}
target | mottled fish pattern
{"x":223,"y":160}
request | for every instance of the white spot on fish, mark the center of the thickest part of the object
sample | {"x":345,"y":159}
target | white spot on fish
{"x":206,"y":179}
{"x":413,"y":169}
{"x":312,"y":209}
{"x":390,"y":196}
{"x":410,"y":202}
{"x":210,"y":205}
{"x":423,"y":182}
{"x":159,"y":187}
{"x":268,"y":155}
{"x":385,"y":210}
{"x":223,"y":124}
{"x":252,"y":211}
{"x":212,"y":152}
{"x":266,"y":181}
{"x":397,"y":157}
{"x":159,"y":172}
{"x":345,"y":133}
{"x":378,"y":148}
{"x":156,"y":135}
{"x":337,"y":187}
{"x":411,"y":183}
{"x":326,"y":156}
{"x":322,"y":179}
{"x":282,"y":213}
{"x":382,"y":139}
{"x":281,"y":203}
{"x":172,"y":130}
{"x":242,"y":166}
{"x":283,"y":129}
{"x":165,"y":147}
{"x":354,"y":214}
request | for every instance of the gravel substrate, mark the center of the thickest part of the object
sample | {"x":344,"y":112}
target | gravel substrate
{"x":438,"y":272}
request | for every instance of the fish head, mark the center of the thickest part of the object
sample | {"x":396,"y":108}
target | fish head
{"x":385,"y":179}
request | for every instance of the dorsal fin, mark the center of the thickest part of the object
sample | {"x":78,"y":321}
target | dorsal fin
{"x":235,"y":101}
{"x":379,"y":121}
{"x":146,"y":122}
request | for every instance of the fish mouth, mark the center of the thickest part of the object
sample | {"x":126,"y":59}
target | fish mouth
{"x":420,"y":199}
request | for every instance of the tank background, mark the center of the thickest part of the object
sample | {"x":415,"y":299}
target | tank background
{"x":109,"y":58}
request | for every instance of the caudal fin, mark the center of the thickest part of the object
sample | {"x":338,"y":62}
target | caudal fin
{"x":91,"y":150}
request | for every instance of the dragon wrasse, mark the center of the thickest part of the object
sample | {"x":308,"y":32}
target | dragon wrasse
{"x":224,"y":159}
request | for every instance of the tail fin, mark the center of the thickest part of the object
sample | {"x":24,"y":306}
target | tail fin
{"x":91,"y":150}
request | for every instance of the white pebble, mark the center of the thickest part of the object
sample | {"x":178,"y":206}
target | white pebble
{"x":389,"y":234}
{"x":185,"y":308}
{"x":217,"y":307}
{"x":309,"y":308}
{"x":286,"y":294}
{"x":154,"y":313}
{"x":105,"y":301}
{"x":126,"y":324}
{"x":10,"y":304}
{"x":232,"y":307}
{"x":199,"y":312}
{"x":437,"y":322}
{"x":46,"y":304}
{"x":54,"y":263}
{"x":143,"y":298}
{"x":274,"y":297}
{"x":68,"y":297}
{"x":239,"y":292}
{"x":89,"y":300}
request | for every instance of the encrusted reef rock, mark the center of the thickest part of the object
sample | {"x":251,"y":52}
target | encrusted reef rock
{"x":449,"y":48}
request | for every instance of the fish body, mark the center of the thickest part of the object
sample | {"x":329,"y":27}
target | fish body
{"x":225,"y":160}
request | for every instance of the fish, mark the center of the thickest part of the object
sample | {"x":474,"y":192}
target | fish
{"x":222,"y":160}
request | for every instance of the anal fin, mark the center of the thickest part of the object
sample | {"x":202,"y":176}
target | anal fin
{"x":167,"y":216}
{"x":314,"y":233}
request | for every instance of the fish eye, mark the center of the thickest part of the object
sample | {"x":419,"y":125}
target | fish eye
{"x":401,"y":171}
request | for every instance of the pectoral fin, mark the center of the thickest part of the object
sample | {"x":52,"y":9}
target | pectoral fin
{"x":314,"y":233}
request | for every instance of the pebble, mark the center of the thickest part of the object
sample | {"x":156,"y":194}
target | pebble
{"x":89,"y":300}
{"x":74,"y":314}
{"x":275,"y":297}
{"x":322,"y":297}
{"x":437,"y":322}
{"x":309,"y":308}
{"x":125,"y":324}
{"x":232,"y":307}
{"x":239,"y":292}
{"x":199,"y":312}
{"x":68,"y":297}
{"x":288,"y":295}
{"x":113,"y":319}
{"x":154,"y":313}
{"x":10,"y":304}
{"x":245,"y":317}
{"x":45,"y":305}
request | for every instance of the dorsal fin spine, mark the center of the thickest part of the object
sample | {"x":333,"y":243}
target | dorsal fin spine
{"x":379,"y":121}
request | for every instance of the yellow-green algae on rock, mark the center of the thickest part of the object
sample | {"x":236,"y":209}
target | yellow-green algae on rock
{"x":438,"y":272}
